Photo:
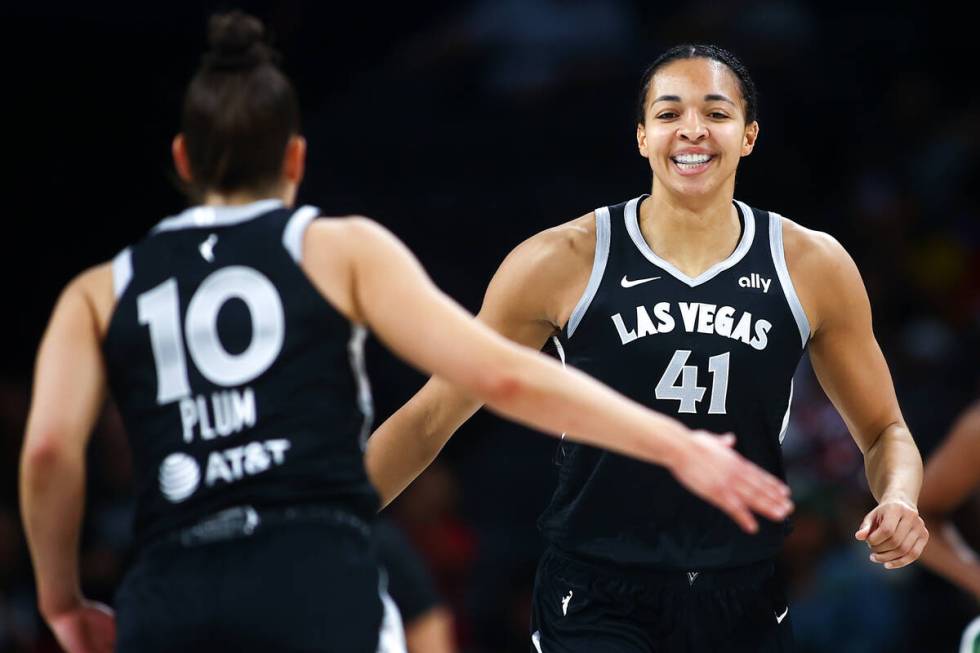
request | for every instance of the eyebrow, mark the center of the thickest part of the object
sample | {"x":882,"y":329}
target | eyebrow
{"x":713,"y":97}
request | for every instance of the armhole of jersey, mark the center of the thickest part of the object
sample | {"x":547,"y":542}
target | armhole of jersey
{"x":789,"y":405}
{"x":122,"y":271}
{"x":598,"y":268}
{"x":556,"y":341}
{"x":365,"y":400}
{"x":292,"y":235}
{"x":779,"y":260}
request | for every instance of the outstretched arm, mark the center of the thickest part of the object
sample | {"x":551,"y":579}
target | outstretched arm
{"x":392,"y":294}
{"x":427,"y":421}
{"x":952,"y":473}
{"x":851,"y":368}
{"x":69,"y":391}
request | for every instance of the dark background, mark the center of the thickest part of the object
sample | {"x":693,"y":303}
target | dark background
{"x":466,"y":127}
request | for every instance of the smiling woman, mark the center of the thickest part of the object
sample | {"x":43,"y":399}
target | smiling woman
{"x":254,"y":507}
{"x":700,"y":306}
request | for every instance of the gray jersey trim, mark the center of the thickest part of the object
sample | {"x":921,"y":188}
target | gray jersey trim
{"x":748,"y":234}
{"x":122,"y":271}
{"x":365,"y":402}
{"x":292,"y":235}
{"x":970,"y":636}
{"x":779,"y":260}
{"x":789,"y":406}
{"x":561,"y":357}
{"x":602,"y":237}
{"x":391,"y":635}
{"x":217,"y":216}
{"x":536,"y":640}
{"x":560,"y":349}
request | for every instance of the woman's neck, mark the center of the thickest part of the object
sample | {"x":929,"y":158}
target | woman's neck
{"x":692,"y":237}
{"x":238,"y":198}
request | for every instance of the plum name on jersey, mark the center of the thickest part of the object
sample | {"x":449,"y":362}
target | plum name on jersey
{"x":228,"y":412}
{"x":695,"y":317}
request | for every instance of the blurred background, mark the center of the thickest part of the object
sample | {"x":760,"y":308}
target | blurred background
{"x":466,"y":127}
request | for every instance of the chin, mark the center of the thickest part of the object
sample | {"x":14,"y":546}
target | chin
{"x":694,"y":187}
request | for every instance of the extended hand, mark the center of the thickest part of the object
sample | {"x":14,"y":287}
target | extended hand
{"x":712,"y":470}
{"x":894,"y":532}
{"x":89,"y":628}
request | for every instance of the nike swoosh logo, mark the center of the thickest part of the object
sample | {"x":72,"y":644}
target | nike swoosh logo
{"x":626,"y":283}
{"x":780,"y":617}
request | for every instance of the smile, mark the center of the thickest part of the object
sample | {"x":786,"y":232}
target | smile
{"x":692,"y":163}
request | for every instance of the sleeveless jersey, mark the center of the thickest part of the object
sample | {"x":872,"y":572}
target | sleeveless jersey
{"x":237,"y":382}
{"x":717,"y":352}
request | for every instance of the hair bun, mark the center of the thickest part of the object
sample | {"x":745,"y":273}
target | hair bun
{"x":238,"y":42}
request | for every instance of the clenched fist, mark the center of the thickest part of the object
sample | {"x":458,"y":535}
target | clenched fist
{"x":894,"y":532}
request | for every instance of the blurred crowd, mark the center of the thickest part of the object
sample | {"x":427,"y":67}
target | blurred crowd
{"x":474,"y":128}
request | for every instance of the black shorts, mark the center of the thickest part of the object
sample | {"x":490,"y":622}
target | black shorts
{"x":410,"y":583}
{"x":287,"y":579}
{"x":581,"y":606}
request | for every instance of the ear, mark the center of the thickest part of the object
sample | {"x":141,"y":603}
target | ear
{"x":181,"y":161}
{"x":294,"y":160}
{"x":641,"y":140}
{"x":748,"y":140}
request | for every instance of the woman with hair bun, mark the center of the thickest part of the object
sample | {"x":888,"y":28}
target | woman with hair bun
{"x":231,"y":339}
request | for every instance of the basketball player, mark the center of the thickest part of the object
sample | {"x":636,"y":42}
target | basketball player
{"x":230,"y":337}
{"x":700,"y":306}
{"x":952,"y":475}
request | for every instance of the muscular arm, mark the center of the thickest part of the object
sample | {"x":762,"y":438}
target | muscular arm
{"x":524,"y":313}
{"x":386,"y":288}
{"x":69,"y":391}
{"x":952,"y":473}
{"x":852,"y":371}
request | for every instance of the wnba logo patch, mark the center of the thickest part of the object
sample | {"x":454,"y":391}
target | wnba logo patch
{"x":179,"y":477}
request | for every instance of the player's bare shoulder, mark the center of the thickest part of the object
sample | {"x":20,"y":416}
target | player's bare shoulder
{"x":95,"y":288}
{"x":332,"y":247}
{"x":569,"y":243}
{"x":808,"y":248}
{"x":824,"y":274}
{"x":551,"y":268}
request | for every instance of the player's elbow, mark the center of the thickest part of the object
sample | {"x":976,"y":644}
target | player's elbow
{"x":501,"y":386}
{"x":42,"y":451}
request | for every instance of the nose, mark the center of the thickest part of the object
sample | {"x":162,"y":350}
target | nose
{"x":693,"y":128}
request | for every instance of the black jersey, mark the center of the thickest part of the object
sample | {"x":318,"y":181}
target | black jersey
{"x":237,"y":382}
{"x":717,"y":352}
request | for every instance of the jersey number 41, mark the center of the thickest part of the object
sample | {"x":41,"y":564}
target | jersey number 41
{"x":688,"y":392}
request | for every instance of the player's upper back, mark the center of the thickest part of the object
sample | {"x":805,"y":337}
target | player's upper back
{"x":237,"y":382}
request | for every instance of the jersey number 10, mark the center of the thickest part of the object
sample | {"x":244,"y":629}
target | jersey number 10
{"x":159,"y":308}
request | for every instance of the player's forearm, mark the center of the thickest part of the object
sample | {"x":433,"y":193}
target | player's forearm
{"x":408,"y":441}
{"x":893,"y":466}
{"x":393,"y":461}
{"x":950,"y":557}
{"x":548,"y":397}
{"x":52,"y":491}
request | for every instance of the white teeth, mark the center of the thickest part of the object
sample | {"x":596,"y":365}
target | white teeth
{"x":692,"y":159}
